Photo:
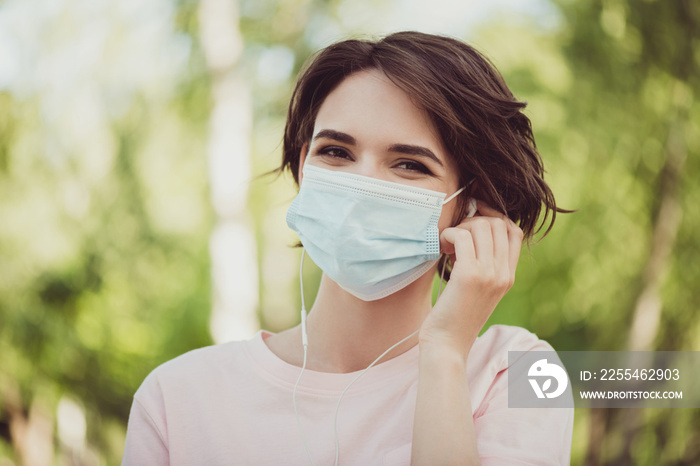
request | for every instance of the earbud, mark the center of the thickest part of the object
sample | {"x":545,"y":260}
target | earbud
{"x":471,"y":210}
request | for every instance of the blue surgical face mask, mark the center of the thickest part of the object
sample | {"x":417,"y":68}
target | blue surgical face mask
{"x":372,"y":237}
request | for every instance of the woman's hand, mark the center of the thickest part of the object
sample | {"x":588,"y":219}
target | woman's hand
{"x":484,"y":252}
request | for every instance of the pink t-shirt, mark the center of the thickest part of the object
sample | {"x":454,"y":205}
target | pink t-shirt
{"x":232,"y":404}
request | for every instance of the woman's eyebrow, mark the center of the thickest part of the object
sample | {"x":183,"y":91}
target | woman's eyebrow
{"x":336,"y":135}
{"x":415,"y":150}
{"x":400,"y":148}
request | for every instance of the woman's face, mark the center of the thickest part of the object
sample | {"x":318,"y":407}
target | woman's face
{"x":368,"y":126}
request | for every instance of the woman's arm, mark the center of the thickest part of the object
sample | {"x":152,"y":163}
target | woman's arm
{"x":144,"y":440}
{"x":443,"y":431}
{"x":484,"y":252}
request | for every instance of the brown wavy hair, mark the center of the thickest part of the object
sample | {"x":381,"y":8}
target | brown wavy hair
{"x":480,"y":122}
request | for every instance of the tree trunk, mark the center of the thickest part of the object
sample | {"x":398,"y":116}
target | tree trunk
{"x":647,"y":311}
{"x":232,"y":245}
{"x":646,"y":317}
{"x":31,"y":432}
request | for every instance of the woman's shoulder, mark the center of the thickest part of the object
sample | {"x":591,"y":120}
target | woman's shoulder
{"x":499,"y":338}
{"x":534,"y":436}
{"x":199,"y":367}
{"x":201,"y":358}
{"x":489,"y":356}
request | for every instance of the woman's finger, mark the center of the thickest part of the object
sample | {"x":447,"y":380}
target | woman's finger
{"x":482,"y":233}
{"x":501,"y":247}
{"x":515,"y":234}
{"x":515,"y":240}
{"x":457,"y":242}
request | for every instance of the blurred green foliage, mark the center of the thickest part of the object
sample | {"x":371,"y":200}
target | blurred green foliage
{"x":104,"y":266}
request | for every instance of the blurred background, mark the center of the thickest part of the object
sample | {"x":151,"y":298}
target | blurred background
{"x":135,"y":225}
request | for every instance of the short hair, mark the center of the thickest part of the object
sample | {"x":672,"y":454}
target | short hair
{"x":480,"y":122}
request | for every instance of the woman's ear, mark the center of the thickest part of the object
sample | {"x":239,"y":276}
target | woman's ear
{"x":302,"y":159}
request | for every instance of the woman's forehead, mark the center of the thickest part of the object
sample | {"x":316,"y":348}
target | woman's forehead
{"x":367,"y":105}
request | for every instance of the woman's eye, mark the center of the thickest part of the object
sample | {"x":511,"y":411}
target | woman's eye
{"x":414,"y":166}
{"x":335,"y":152}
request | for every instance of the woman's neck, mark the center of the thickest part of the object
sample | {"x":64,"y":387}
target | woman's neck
{"x":347,"y":334}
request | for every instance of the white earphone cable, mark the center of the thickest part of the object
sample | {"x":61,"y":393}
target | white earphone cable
{"x":303,"y":367}
{"x":442,"y":276}
{"x":337,"y":407}
{"x":305,"y":344}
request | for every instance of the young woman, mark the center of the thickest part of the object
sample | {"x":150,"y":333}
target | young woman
{"x":407,"y":151}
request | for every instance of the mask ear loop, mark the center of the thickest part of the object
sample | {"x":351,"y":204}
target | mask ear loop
{"x":455,"y":194}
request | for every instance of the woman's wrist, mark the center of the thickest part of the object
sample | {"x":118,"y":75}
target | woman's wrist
{"x":444,"y":349}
